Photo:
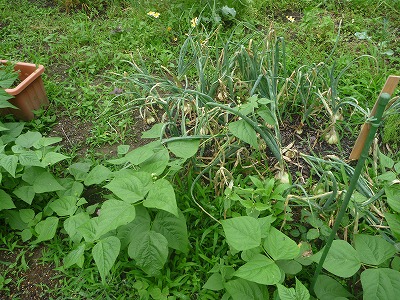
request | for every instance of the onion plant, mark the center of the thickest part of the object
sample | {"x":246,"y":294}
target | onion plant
{"x":211,"y":69}
{"x":383,"y":100}
{"x":332,"y":102}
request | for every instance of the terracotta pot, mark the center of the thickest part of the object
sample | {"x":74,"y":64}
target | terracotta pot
{"x":30,"y":94}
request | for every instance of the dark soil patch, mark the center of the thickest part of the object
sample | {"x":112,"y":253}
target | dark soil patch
{"x":4,"y":24}
{"x":75,"y":132}
{"x":29,"y":283}
{"x":57,"y":70}
{"x":310,"y":141}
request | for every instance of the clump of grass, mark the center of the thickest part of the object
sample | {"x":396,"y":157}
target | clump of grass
{"x":391,"y":134}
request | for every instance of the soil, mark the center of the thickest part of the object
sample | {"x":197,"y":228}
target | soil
{"x":34,"y":282}
{"x":309,"y":141}
{"x":75,"y":132}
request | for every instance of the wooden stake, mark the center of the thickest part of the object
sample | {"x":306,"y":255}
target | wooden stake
{"x":389,"y":87}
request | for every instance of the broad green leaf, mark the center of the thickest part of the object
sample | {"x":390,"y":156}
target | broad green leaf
{"x":97,"y":175}
{"x":14,"y":220}
{"x":79,"y":170}
{"x":184,"y":148}
{"x":9,"y":163}
{"x":141,"y":154}
{"x":45,"y":182}
{"x":72,"y":224}
{"x":2,"y":128}
{"x":76,"y":256}
{"x":387,"y":176}
{"x":215,"y":282}
{"x":114,"y":213}
{"x":286,"y":293}
{"x":280,"y":246}
{"x":52,"y":158}
{"x":248,"y":254}
{"x":265,"y":224}
{"x":123,"y":149}
{"x":89,"y":230}
{"x":7,"y":76}
{"x":31,"y":173}
{"x":395,"y":265}
{"x":46,"y":229}
{"x":153,"y":133}
{"x":241,"y":289}
{"x":373,"y":250}
{"x":397,"y":167}
{"x":25,"y":192}
{"x":64,"y":206}
{"x":267,"y":116}
{"x":342,"y":259}
{"x":244,"y":131}
{"x":157,"y":163}
{"x":162,"y":196}
{"x":394,"y":224}
{"x":248,"y":106}
{"x":150,"y":251}
{"x":260,"y":269}
{"x":5,"y":201}
{"x":72,"y":188}
{"x":312,"y":234}
{"x":29,"y":158}
{"x":141,"y":224}
{"x":385,"y":161}
{"x":291,"y":267}
{"x":26,"y":234}
{"x":26,"y":215}
{"x":327,"y":288}
{"x":105,"y":252}
{"x":242,"y":233}
{"x":46,"y":141}
{"x":173,"y":228}
{"x":129,"y":189}
{"x":301,"y":291}
{"x":28,"y":139}
{"x":14,"y":130}
{"x":259,"y":184}
{"x":4,"y":97}
{"x":392,"y":193}
{"x":380,"y":284}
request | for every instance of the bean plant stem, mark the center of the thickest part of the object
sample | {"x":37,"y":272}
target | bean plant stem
{"x":382,"y":102}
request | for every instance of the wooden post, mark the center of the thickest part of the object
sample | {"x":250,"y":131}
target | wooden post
{"x":389,"y":87}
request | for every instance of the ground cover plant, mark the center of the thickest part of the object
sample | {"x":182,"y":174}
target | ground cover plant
{"x":199,"y":150}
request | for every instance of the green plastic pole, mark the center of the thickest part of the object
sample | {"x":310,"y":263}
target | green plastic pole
{"x":382,"y":102}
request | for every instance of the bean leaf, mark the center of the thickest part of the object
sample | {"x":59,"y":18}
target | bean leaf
{"x":242,"y":233}
{"x":105,"y":253}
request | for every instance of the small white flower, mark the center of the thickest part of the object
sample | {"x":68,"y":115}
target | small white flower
{"x":153,"y":14}
{"x":290,"y":19}
{"x":194,"y":22}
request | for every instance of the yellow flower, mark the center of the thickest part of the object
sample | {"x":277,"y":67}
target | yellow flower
{"x":193,"y":22}
{"x":153,"y":14}
{"x":290,"y":18}
{"x":169,"y":28}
